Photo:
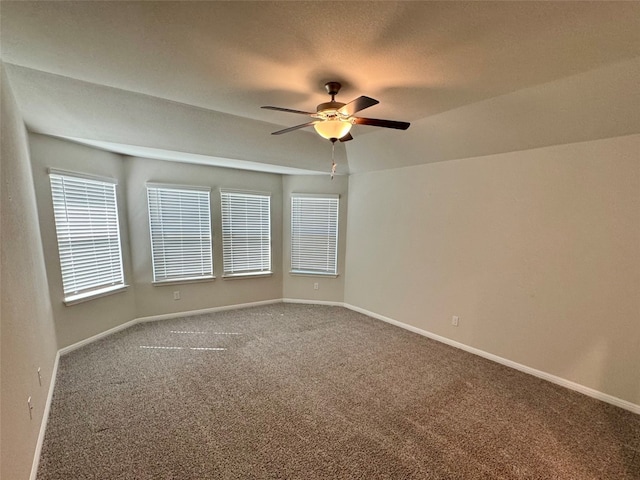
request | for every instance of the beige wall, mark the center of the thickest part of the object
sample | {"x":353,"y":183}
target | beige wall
{"x":142,"y":299}
{"x":83,"y":320}
{"x":114,"y":115}
{"x":78,"y":322}
{"x":600,"y":103}
{"x":537,"y":251}
{"x":298,"y":286}
{"x":27,"y":338}
{"x":156,"y":300}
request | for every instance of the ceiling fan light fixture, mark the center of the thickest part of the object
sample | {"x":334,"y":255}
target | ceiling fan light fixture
{"x":333,"y":120}
{"x":333,"y":128}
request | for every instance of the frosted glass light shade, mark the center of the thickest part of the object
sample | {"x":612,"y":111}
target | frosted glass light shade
{"x":332,"y":128}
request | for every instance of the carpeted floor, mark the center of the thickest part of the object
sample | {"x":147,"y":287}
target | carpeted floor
{"x":316,"y":392}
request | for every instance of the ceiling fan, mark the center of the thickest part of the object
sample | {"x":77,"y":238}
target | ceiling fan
{"x":333,"y":120}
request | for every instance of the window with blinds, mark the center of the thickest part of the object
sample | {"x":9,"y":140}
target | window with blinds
{"x":88,"y":232}
{"x":314,"y":234}
{"x":180,"y":225}
{"x":246,"y":233}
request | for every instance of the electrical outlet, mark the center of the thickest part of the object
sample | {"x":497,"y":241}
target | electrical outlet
{"x":455,"y":320}
{"x":176,"y":295}
{"x":316,"y":286}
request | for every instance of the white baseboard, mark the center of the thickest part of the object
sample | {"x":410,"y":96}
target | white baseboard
{"x":95,"y":338}
{"x":237,"y":306}
{"x":598,"y":395}
{"x":166,"y":316}
{"x":509,"y":363}
{"x":313,"y":302}
{"x":45,"y":419}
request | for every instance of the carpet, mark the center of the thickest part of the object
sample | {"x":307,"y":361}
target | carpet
{"x":316,"y":392}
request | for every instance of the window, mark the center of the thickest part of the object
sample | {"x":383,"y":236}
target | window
{"x":246,"y":233}
{"x":314,"y":234}
{"x":180,"y":225}
{"x":86,"y":217}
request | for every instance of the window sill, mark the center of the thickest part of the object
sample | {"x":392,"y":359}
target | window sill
{"x":85,"y":297}
{"x":313,"y":274}
{"x":180,"y":281}
{"x":237,"y":276}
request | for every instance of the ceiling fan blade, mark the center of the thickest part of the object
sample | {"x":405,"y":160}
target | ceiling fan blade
{"x":291,"y":129}
{"x":346,"y":138}
{"x":374,"y":122}
{"x":358,"y":104}
{"x":280,"y":109}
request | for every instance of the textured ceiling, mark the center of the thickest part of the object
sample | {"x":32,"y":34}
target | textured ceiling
{"x":419,"y":59}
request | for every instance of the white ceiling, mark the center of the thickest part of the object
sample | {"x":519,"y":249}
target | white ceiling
{"x":188,"y":78}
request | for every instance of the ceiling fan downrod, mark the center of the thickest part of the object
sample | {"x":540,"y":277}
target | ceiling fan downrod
{"x":332,"y":89}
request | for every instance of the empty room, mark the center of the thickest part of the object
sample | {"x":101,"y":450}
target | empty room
{"x":320,"y":240}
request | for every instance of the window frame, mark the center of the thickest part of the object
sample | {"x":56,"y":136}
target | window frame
{"x":161,"y":272}
{"x":242,"y":270}
{"x":85,"y":207}
{"x":332,"y":221}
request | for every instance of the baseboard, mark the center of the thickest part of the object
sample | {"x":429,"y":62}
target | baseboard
{"x":237,"y":306}
{"x":598,"y":395}
{"x":45,"y":419}
{"x":632,"y":407}
{"x":166,"y":316}
{"x":313,"y":302}
{"x":95,"y":338}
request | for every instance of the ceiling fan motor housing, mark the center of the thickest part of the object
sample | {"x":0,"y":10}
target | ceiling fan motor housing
{"x":330,"y":107}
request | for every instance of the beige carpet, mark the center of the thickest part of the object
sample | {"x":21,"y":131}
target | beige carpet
{"x":315,"y":392}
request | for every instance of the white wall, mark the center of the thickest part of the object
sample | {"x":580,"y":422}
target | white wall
{"x":537,"y":251}
{"x":83,"y":320}
{"x":28,"y":339}
{"x":157,"y":300}
{"x":300,"y":287}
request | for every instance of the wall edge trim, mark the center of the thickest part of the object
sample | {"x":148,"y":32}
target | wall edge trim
{"x":563,"y":382}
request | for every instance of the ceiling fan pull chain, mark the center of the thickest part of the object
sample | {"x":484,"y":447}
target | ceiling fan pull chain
{"x":333,"y":161}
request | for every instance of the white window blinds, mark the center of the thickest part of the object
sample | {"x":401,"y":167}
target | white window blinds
{"x":86,"y":217}
{"x":314,"y":234}
{"x":180,"y":225}
{"x":246,"y":232}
